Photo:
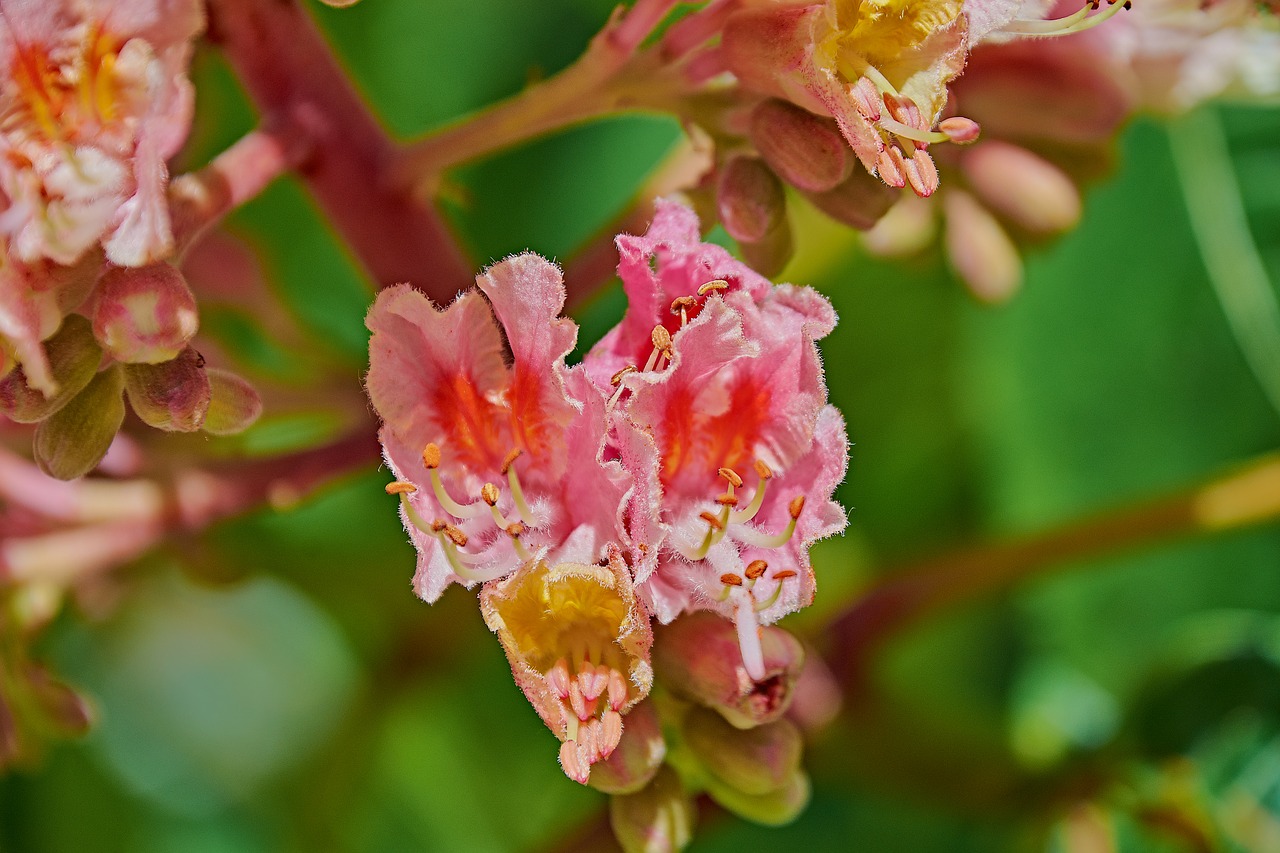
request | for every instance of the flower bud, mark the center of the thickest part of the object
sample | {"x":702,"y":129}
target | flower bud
{"x":698,"y":657}
{"x":1031,"y":191}
{"x":771,"y":253}
{"x":657,"y":819}
{"x":749,"y":199}
{"x":73,"y":440}
{"x":980,"y":250}
{"x":805,"y":150}
{"x":144,"y":315}
{"x":638,"y":756}
{"x":858,"y":202}
{"x":753,"y":761}
{"x":73,"y":357}
{"x":909,"y":227}
{"x":61,"y":707}
{"x":173,"y":395}
{"x":774,"y":808}
{"x":233,"y":404}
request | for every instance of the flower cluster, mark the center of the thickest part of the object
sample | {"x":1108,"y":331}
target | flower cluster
{"x":683,"y":467}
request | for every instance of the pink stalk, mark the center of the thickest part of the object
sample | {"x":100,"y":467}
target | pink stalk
{"x":199,"y":200}
{"x":293,"y":77}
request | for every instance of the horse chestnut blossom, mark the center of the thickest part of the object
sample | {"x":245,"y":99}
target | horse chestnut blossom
{"x":622,"y":498}
{"x":95,"y":99}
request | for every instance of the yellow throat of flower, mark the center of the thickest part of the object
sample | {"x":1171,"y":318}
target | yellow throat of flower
{"x":60,"y":92}
{"x":882,"y":32}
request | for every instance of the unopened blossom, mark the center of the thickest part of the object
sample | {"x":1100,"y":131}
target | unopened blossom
{"x":720,"y":415}
{"x":880,"y":69}
{"x":94,"y":100}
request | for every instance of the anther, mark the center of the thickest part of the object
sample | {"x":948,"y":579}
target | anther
{"x":727,"y":499}
{"x":616,"y":379}
{"x":399,"y":487}
{"x":489,"y":494}
{"x":755,"y":569}
{"x":732,"y":476}
{"x":710,"y":518}
{"x":796,"y":506}
{"x":866,"y":98}
{"x":661,"y":339}
{"x":510,"y":459}
{"x":783,"y":574}
{"x":763,"y":470}
{"x":713,"y":285}
{"x":431,"y":456}
{"x":438,"y":526}
{"x":456,"y":536}
{"x":730,"y":579}
{"x":515,"y":530}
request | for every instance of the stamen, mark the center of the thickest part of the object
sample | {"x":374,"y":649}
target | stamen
{"x":732,"y":476}
{"x":727,"y":499}
{"x":616,"y":379}
{"x":515,"y":530}
{"x":756,"y":568}
{"x":399,"y":487}
{"x":713,"y":285}
{"x":456,"y":536}
{"x":431,"y":461}
{"x":489,"y":494}
{"x":510,"y":459}
{"x":759,"y":539}
{"x":571,"y":764}
{"x":558,"y":678}
{"x":661,"y":347}
{"x":610,"y":733}
{"x":1074,"y":23}
{"x":866,"y":98}
{"x":897,"y":128}
{"x":757,"y":500}
{"x":730,"y":579}
{"x":783,"y":574}
{"x":762,"y":606}
{"x":517,"y":493}
{"x":617,"y":690}
{"x":711,"y":519}
{"x":681,"y":306}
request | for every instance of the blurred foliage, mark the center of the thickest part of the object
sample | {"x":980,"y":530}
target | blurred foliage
{"x":278,"y":687}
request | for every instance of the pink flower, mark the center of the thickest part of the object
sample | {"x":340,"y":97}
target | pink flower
{"x":621,"y":483}
{"x":94,"y":100}
{"x":726,"y":430}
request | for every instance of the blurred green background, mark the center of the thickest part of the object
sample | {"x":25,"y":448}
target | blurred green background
{"x":296,"y":696}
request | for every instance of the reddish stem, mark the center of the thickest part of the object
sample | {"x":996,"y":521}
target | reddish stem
{"x":293,"y":77}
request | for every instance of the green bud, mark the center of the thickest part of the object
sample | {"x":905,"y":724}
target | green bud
{"x":74,"y":357}
{"x":71,"y":442}
{"x":754,"y":761}
{"x":233,"y":404}
{"x":656,"y":819}
{"x":173,"y":395}
{"x":774,"y":808}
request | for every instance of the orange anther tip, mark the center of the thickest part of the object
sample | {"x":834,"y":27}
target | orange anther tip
{"x":731,"y":475}
{"x":431,"y":456}
{"x":489,"y":494}
{"x":711,"y":519}
{"x":456,"y":536}
{"x":399,"y":487}
{"x":763,"y":470}
{"x":727,"y":499}
{"x":796,"y":506}
{"x":714,"y":284}
{"x":783,"y":575}
{"x":616,"y":379}
{"x":515,"y":530}
{"x":439,"y":526}
{"x":682,"y":303}
{"x":510,"y":459}
{"x":756,"y":568}
{"x":730,"y":579}
{"x":661,"y":338}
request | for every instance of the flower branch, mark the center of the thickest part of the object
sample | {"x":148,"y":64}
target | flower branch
{"x":292,"y":76}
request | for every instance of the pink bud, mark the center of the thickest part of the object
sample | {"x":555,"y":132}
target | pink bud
{"x":233,"y":404}
{"x":73,"y":440}
{"x":637,"y":756}
{"x":805,"y":150}
{"x":858,"y":202}
{"x":73,"y":357}
{"x":960,"y":130}
{"x":698,"y":657}
{"x":173,"y":395}
{"x":749,"y":199}
{"x":754,"y":761}
{"x":1031,"y":191}
{"x":659,"y":818}
{"x":980,"y":250}
{"x":144,"y":315}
